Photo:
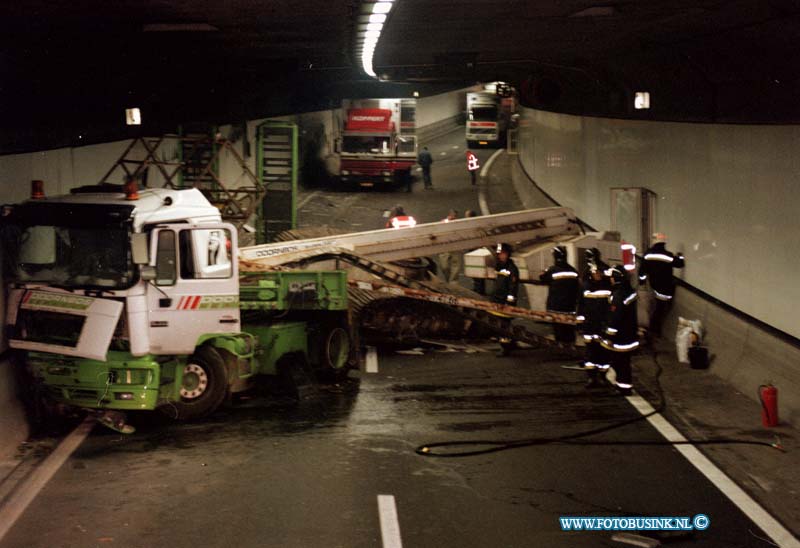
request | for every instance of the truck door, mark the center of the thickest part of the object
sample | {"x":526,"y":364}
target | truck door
{"x":196,"y":287}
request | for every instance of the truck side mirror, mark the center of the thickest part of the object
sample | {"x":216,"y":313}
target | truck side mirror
{"x":139,"y":248}
{"x":148,"y":273}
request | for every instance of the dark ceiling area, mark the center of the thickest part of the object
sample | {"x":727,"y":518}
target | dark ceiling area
{"x":68,"y":70}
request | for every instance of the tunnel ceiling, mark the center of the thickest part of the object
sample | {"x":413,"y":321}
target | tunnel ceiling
{"x":74,"y":67}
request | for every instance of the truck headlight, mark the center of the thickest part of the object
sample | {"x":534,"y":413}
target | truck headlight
{"x":345,"y":172}
{"x":387,"y":173}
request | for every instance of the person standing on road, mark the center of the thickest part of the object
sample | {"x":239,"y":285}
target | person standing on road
{"x":398,"y":218}
{"x":506,"y":286}
{"x":424,"y":159}
{"x":621,"y":336}
{"x":562,"y":296}
{"x":450,"y":263}
{"x":592,"y":315}
{"x":656,"y":269}
{"x":472,"y":166}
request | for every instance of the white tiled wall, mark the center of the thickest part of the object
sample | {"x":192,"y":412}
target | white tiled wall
{"x":728,"y":196}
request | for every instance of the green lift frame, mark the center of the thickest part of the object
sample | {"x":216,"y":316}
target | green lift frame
{"x":276,"y":169}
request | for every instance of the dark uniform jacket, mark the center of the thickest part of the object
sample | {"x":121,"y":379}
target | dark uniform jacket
{"x":425,"y":159}
{"x":564,"y":285}
{"x":656,"y":268}
{"x":622,"y":329}
{"x":506,"y":284}
{"x":593,"y":304}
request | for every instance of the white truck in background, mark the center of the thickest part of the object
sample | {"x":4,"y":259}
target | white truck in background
{"x":488,"y":116}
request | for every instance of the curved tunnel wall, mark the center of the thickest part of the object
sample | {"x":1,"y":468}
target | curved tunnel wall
{"x":728,"y":196}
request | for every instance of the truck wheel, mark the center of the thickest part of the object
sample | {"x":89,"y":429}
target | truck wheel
{"x":204,"y":385}
{"x":335,"y":353}
{"x":472,"y":144}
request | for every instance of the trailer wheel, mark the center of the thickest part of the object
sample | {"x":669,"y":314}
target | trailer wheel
{"x":335,"y":354}
{"x":204,"y":385}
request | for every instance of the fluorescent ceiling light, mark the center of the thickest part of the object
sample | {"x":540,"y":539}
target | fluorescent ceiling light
{"x":377,"y":18}
{"x":375,"y":26}
{"x":642,"y":100}
{"x":381,"y":7}
{"x":372,"y":34}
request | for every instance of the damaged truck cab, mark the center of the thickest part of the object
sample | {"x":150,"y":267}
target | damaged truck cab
{"x":134,"y":301}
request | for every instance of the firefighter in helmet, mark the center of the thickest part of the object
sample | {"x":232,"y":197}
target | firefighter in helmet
{"x":657,"y":265}
{"x":592,"y":315}
{"x":621,"y":335}
{"x":506,"y":286}
{"x":562,"y":296}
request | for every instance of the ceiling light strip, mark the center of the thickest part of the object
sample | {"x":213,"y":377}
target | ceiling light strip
{"x":367,"y":39}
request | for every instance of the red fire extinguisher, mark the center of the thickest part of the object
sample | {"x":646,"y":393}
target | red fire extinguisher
{"x":768,"y":395}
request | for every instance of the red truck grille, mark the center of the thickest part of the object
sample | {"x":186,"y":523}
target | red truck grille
{"x":375,"y":167}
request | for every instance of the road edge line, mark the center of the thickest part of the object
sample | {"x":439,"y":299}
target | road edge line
{"x":752,"y":509}
{"x":482,"y":202}
{"x":18,"y":502}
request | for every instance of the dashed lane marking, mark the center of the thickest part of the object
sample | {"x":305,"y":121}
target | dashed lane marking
{"x":21,"y":499}
{"x":729,"y":488}
{"x":390,"y":525}
{"x":372,"y":360}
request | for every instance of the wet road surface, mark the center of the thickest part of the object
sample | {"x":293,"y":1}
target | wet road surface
{"x":275,"y":472}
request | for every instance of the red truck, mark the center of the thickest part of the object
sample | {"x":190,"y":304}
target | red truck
{"x":377,"y":142}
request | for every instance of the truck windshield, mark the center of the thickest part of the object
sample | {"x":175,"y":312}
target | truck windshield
{"x":483,"y":114}
{"x":365,"y":144}
{"x":74,"y":257}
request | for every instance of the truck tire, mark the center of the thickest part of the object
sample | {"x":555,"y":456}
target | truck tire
{"x":472,"y":144}
{"x":335,"y":353}
{"x":204,"y":385}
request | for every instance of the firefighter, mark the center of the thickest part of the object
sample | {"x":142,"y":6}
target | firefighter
{"x":562,"y":296}
{"x":592,"y":315}
{"x":450,"y":263}
{"x":424,"y":159}
{"x":621,"y":337}
{"x":657,"y":265}
{"x":506,"y":286}
{"x":398,"y":218}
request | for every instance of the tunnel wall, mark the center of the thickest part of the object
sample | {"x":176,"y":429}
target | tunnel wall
{"x":66,"y":168}
{"x":727,"y":196}
{"x":577,"y":160}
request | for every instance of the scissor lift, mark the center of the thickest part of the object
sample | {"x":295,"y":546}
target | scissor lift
{"x":191,"y":161}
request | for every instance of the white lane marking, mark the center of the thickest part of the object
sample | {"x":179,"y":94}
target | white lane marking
{"x":390,"y":526}
{"x":19,"y":501}
{"x":729,"y":488}
{"x":455,"y":147}
{"x":482,"y":202}
{"x":442,"y":154}
{"x":307,"y":199}
{"x":488,"y":165}
{"x":372,"y":359}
